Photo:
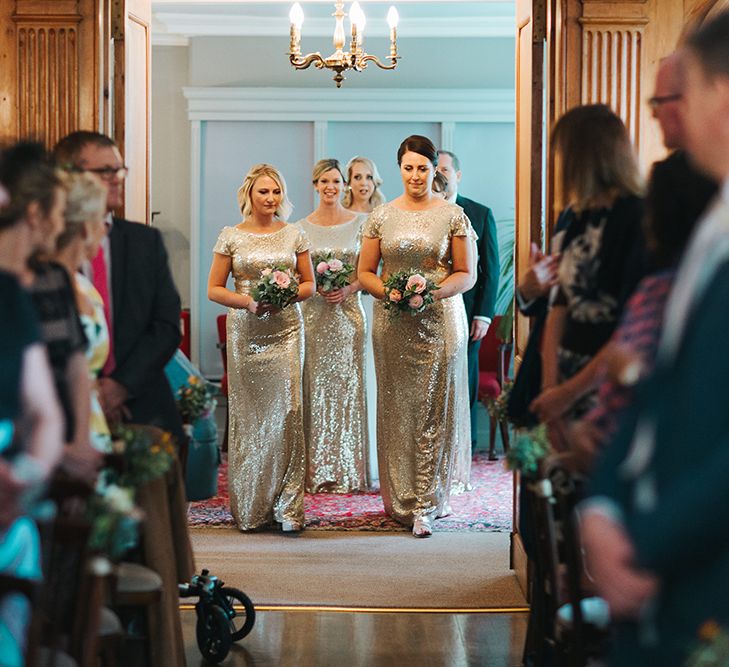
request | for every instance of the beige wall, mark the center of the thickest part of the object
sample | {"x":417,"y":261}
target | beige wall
{"x":171,"y":160}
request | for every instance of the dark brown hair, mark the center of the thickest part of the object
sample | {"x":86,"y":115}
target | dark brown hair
{"x":419,"y":144}
{"x":67,"y":150}
{"x":597,"y":157}
{"x":710,"y":44}
{"x":29,"y":175}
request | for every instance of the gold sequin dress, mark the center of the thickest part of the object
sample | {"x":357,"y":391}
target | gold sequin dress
{"x":335,"y":408}
{"x":422,"y":376}
{"x":266,"y":454}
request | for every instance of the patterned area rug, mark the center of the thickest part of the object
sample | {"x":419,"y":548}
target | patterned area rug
{"x":488,"y":507}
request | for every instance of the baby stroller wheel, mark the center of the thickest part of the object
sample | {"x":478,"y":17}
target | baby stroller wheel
{"x":241,"y":623}
{"x":213,"y":632}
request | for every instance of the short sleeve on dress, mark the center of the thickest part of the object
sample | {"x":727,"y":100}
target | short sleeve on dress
{"x":372,"y":227}
{"x":461,"y":226}
{"x":302,"y":241}
{"x":222,"y":245}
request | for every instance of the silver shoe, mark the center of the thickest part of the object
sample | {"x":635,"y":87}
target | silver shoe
{"x":422,"y":526}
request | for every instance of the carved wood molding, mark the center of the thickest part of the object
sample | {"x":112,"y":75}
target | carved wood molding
{"x":47,"y":52}
{"x":612,"y":57}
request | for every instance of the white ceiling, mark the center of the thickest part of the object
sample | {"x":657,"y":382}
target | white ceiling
{"x":175,"y":21}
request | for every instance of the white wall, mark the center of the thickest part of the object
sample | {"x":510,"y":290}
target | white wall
{"x":171,"y":160}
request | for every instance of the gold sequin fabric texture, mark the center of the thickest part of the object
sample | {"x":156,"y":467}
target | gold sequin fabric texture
{"x":266,"y":451}
{"x":423,"y":418}
{"x":335,"y":408}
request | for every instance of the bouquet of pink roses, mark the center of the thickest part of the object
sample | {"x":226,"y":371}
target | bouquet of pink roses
{"x":408,"y":291}
{"x":277,"y":285}
{"x":332,"y":273}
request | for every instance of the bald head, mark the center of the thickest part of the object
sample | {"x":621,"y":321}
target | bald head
{"x":665,"y":100}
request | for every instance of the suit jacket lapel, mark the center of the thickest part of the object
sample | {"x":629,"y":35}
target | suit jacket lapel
{"x":118,"y":244}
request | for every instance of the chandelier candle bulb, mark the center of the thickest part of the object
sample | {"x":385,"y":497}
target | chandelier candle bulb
{"x":393,"y":19}
{"x":296,"y":16}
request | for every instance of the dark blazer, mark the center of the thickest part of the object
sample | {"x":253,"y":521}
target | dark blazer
{"x":146,"y":322}
{"x":683,"y":539}
{"x":481,"y":298}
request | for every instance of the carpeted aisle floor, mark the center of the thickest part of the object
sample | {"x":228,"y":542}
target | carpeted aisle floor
{"x":487,"y":507}
{"x":363,"y":569}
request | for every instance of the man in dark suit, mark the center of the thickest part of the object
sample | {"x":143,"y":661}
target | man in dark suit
{"x":480,"y":300}
{"x":654,"y":526}
{"x":141,"y":302}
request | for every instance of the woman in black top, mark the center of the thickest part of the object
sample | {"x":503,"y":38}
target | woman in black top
{"x":602,"y":255}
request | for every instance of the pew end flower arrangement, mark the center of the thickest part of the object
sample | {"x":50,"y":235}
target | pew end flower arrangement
{"x":530,"y":448}
{"x":146,"y":454}
{"x":332,"y":273}
{"x":713,"y":649}
{"x":114,"y":519}
{"x":195,"y":400}
{"x":498,"y":407}
{"x":277,"y":286}
{"x":408,"y":292}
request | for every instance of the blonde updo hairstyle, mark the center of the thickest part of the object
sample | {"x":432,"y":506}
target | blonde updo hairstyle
{"x":377,"y":197}
{"x":244,"y":191}
{"x":85,"y":200}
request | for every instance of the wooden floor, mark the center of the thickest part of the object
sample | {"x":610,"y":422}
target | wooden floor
{"x":355,"y":639}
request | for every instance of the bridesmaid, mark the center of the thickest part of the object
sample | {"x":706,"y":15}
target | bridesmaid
{"x":79,"y":243}
{"x":363,"y":185}
{"x":266,"y":452}
{"x":335,"y":410}
{"x":422,"y":385}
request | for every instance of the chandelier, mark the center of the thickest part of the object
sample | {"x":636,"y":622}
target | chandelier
{"x":355,"y":59}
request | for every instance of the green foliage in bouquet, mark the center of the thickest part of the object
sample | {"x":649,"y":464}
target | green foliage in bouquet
{"x":146,"y":455}
{"x":408,"y":291}
{"x":497,"y":407}
{"x":114,"y":520}
{"x":713,"y":650}
{"x":195,"y":399}
{"x":277,"y":286}
{"x":530,"y":448}
{"x":332,"y":273}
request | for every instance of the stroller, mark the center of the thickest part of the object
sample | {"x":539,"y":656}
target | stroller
{"x":219,"y":622}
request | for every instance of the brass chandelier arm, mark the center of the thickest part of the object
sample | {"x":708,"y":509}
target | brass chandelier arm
{"x":302,"y":63}
{"x":374,"y":59}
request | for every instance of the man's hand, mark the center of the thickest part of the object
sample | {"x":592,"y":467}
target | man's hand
{"x":112,"y":396}
{"x":541,"y":275}
{"x":479,"y":329}
{"x":611,"y":562}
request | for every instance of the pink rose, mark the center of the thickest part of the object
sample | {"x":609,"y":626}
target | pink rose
{"x":322,"y":268}
{"x":416,"y":283}
{"x":266,"y":272}
{"x":415,"y":302}
{"x":335,"y":265}
{"x":395,"y":295}
{"x":281,"y":279}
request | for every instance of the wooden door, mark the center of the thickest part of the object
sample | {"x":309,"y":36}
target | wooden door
{"x":131,"y":88}
{"x":49,"y":82}
{"x":531,"y":18}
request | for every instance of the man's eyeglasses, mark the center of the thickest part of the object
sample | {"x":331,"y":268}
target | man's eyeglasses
{"x":655,"y":102}
{"x":105,"y":173}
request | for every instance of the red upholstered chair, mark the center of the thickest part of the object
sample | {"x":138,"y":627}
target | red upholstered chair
{"x":185,"y":327}
{"x":222,"y":338}
{"x":494,"y":358}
